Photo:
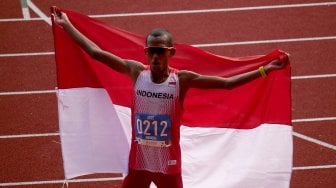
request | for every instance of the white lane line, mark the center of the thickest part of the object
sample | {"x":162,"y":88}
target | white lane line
{"x":38,"y":12}
{"x":314,"y":167}
{"x":25,"y":13}
{"x":313,"y":76}
{"x":266,"y":41}
{"x":27,"y":92}
{"x":27,"y":54}
{"x":29,"y":135}
{"x":121,"y":178}
{"x":43,"y":17}
{"x":60,"y":181}
{"x":19,"y":19}
{"x":314,"y":119}
{"x":25,"y":9}
{"x":216,"y":10}
{"x":314,"y":140}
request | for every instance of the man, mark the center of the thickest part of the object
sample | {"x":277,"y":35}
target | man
{"x":155,"y":154}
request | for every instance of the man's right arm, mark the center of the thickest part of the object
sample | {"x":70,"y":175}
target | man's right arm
{"x":129,"y":67}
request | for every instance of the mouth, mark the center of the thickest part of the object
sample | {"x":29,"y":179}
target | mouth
{"x":155,"y":63}
{"x":155,"y":66}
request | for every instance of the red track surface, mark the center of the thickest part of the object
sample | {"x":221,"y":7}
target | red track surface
{"x":39,"y":158}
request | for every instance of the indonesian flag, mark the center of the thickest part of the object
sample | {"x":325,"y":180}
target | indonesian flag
{"x":229,"y":138}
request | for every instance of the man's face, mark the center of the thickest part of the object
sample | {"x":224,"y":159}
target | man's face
{"x":158,"y":53}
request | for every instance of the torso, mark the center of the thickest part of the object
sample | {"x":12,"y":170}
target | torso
{"x":156,"y":115}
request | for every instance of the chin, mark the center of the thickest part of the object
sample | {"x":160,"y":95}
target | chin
{"x":156,"y":68}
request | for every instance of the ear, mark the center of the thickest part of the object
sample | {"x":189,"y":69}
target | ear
{"x":172,"y":52}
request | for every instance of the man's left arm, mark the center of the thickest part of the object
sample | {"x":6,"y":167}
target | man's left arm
{"x":191,"y":79}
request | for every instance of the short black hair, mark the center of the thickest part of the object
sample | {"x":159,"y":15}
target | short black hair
{"x":161,"y":32}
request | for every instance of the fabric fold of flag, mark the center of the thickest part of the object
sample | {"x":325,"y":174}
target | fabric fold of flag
{"x":230,"y":138}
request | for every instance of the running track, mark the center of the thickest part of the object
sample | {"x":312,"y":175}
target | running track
{"x":30,"y":154}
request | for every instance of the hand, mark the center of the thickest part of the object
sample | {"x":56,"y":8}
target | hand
{"x":278,"y":63}
{"x":59,"y":17}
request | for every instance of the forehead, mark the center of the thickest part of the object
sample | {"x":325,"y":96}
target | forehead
{"x":159,"y":41}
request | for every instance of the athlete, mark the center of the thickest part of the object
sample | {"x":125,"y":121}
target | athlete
{"x":155,"y":154}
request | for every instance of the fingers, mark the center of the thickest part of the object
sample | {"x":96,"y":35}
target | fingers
{"x":56,"y":11}
{"x":276,"y":61}
{"x":284,"y":58}
{"x":279,"y":62}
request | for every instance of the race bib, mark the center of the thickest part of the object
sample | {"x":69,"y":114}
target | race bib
{"x":153,"y":129}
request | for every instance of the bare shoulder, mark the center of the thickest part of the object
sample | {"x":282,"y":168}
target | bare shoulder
{"x":186,"y":77}
{"x":186,"y":74}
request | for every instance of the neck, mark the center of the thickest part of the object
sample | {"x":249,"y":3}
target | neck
{"x":159,"y":78}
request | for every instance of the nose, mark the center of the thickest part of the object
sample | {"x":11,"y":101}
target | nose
{"x":155,"y":56}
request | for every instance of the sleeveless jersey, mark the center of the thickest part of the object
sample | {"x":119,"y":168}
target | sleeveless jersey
{"x":156,"y":113}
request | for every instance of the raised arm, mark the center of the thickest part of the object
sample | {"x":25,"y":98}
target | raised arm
{"x":129,"y":67}
{"x":190,"y":79}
